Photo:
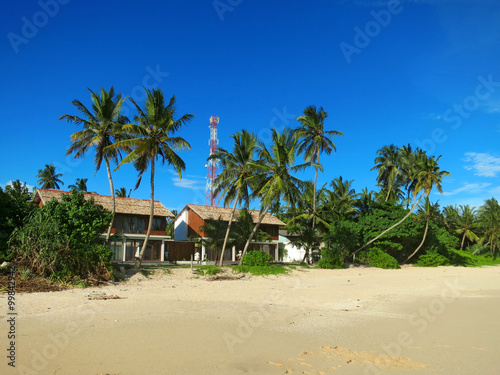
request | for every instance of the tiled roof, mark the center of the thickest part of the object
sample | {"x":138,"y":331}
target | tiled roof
{"x":209,"y":212}
{"x":122,"y":205}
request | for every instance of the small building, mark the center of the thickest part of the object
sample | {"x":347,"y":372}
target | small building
{"x":129,"y":225}
{"x":188,"y":222}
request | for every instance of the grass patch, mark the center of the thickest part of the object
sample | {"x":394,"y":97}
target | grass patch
{"x":261,"y":270}
{"x":209,"y":270}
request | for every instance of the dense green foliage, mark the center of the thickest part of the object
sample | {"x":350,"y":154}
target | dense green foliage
{"x":331,"y":257}
{"x":256,"y":258}
{"x":61,"y":240}
{"x":15,"y":206}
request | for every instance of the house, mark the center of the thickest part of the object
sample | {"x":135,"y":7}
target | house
{"x":129,"y":225}
{"x":187,"y":226}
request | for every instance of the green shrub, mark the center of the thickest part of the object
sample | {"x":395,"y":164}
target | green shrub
{"x":256,"y":258}
{"x":376,"y":257}
{"x":61,"y":240}
{"x":331,"y":258}
{"x":462,"y":258}
{"x":432,"y":259}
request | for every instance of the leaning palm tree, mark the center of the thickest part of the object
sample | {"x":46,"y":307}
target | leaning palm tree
{"x":314,"y":140}
{"x":429,"y":176}
{"x":100,"y":124}
{"x":236,"y":172}
{"x":48,"y":178}
{"x":429,"y":211}
{"x":151,"y":140}
{"x":80,"y":185}
{"x":273,"y":179}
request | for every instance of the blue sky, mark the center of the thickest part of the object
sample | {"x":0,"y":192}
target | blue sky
{"x":425,"y":72}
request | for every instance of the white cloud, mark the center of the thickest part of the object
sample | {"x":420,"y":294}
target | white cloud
{"x":432,"y":116}
{"x":468,"y":188}
{"x":30,"y":188}
{"x":495,"y":191}
{"x":483,"y":164}
{"x":492,"y":106}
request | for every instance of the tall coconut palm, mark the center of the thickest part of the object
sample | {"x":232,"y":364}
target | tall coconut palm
{"x":387,"y":164}
{"x":365,"y":201}
{"x":233,"y":181}
{"x":80,"y":185}
{"x":48,"y":178}
{"x":314,"y":140}
{"x":489,"y":219}
{"x":151,"y":140}
{"x":273,"y":179}
{"x":100,"y":124}
{"x":429,"y":176}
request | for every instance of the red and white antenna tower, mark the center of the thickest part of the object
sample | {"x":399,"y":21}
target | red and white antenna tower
{"x":213,"y":164}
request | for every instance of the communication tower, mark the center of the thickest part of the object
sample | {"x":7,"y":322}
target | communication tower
{"x":213,"y":164}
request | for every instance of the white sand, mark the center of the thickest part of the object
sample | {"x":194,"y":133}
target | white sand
{"x":356,"y":321}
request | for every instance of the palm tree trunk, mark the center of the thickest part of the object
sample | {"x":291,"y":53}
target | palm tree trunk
{"x":388,"y":194}
{"x":314,"y":192}
{"x":463,"y":240}
{"x":111,"y":187}
{"x":228,"y":229}
{"x":151,"y":215}
{"x":421,"y":243}
{"x":390,"y":228}
{"x":481,"y":248}
{"x":247,"y":245}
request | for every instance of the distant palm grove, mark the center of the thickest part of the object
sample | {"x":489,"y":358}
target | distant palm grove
{"x":394,"y":225}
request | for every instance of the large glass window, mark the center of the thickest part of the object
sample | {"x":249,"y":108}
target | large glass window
{"x":117,"y":249}
{"x":156,"y":224}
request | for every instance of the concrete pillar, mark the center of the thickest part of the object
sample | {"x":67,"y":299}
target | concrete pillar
{"x":276,"y":252}
{"x":124,"y":249}
{"x":162,"y":251}
{"x":233,"y":253}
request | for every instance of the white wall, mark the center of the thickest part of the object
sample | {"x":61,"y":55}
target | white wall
{"x":181,"y":227}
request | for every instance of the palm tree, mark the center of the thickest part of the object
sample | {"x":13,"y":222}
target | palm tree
{"x":273,"y":178}
{"x":100,"y":130}
{"x":314,"y":140}
{"x":365,"y":201}
{"x":80,"y":185}
{"x":122,"y":192}
{"x":243,"y":227}
{"x":387,"y":163}
{"x":341,"y":198}
{"x":152,"y":140}
{"x":430,"y":211}
{"x":48,"y":178}
{"x":429,"y":176}
{"x":213,"y":239}
{"x":489,"y":219}
{"x":236,"y":172}
{"x":467,"y":224}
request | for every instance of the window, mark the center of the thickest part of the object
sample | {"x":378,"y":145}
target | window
{"x":157,"y":223}
{"x":117,"y":249}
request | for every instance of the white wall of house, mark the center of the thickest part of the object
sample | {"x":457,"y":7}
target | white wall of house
{"x":294,"y":254}
{"x":181,"y":227}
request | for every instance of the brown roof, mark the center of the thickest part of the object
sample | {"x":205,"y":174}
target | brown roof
{"x":123,"y":205}
{"x":210,"y":212}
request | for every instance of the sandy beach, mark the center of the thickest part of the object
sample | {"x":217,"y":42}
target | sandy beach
{"x":353,"y":321}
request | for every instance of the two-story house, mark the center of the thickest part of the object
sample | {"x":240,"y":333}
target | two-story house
{"x":129,"y":225}
{"x":192,"y":217}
